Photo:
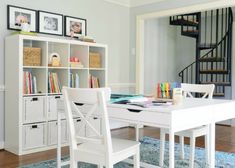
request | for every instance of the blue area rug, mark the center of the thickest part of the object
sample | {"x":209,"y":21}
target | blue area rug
{"x":150,"y":148}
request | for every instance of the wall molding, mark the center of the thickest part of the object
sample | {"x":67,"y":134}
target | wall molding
{"x":133,"y":3}
{"x":2,"y":88}
{"x":1,"y":145}
{"x":122,"y":85}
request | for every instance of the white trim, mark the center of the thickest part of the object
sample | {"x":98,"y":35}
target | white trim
{"x":165,"y":13}
{"x":125,"y":3}
{"x":2,"y":88}
{"x":2,"y":145}
{"x":135,"y":3}
{"x":122,"y":85}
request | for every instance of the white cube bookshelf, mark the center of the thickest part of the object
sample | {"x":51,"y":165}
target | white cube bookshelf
{"x":30,"y":119}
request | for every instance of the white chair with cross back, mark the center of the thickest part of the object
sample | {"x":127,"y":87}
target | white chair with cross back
{"x":188,"y":90}
{"x":100,"y":149}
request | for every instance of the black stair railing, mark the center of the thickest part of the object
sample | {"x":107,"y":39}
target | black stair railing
{"x":213,"y":51}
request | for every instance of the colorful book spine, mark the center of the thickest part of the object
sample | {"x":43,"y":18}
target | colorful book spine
{"x":30,"y":83}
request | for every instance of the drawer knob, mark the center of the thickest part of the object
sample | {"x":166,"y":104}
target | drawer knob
{"x":34,"y":126}
{"x":34,"y":99}
{"x":79,"y":104}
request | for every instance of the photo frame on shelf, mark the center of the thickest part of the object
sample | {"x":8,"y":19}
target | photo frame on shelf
{"x":75,"y":27}
{"x":50,"y":23}
{"x":17,"y":15}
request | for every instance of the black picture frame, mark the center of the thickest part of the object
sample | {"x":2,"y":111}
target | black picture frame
{"x":50,"y":23}
{"x":81,"y":24}
{"x":12,"y":21}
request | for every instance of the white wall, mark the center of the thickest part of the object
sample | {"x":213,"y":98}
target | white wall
{"x":107,"y":23}
{"x":135,"y":11}
{"x":160,"y":53}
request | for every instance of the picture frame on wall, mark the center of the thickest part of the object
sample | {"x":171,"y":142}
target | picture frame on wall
{"x":50,"y":23}
{"x":17,"y":15}
{"x":75,"y":27}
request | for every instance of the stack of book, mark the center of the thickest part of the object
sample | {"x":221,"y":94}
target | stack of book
{"x":74,"y":80}
{"x":30,"y":83}
{"x":93,"y":82}
{"x":53,"y":83}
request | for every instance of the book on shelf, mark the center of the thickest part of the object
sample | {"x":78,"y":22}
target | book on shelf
{"x":30,"y":83}
{"x":74,"y":80}
{"x":53,"y":83}
{"x":94,"y":82}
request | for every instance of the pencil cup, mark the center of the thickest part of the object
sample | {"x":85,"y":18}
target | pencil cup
{"x":177,"y":96}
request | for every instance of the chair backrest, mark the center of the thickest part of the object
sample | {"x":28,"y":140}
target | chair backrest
{"x":96,"y":99}
{"x":206,"y":90}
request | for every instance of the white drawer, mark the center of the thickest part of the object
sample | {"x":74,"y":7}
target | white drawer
{"x":34,"y":109}
{"x":52,"y":132}
{"x":150,"y":118}
{"x":34,"y":136}
{"x":77,"y":125}
{"x":96,"y":123}
{"x":55,"y":103}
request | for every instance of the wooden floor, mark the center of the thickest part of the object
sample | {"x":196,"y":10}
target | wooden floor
{"x":225,"y":141}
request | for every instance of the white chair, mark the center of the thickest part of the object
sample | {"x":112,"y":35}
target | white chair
{"x":207,"y":92}
{"x":100,"y":149}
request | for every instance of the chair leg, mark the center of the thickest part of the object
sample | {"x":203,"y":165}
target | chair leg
{"x":162,"y":147}
{"x":207,"y":149}
{"x":192,"y":151}
{"x":181,"y":147}
{"x":137,"y":159}
{"x":73,"y":164}
{"x":108,"y":165}
{"x":137,"y":132}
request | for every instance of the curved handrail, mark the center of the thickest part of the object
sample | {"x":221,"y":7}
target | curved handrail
{"x":215,"y":47}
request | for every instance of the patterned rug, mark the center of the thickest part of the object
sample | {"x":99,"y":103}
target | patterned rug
{"x":150,"y":148}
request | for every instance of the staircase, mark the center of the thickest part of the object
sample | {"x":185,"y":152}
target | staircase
{"x":213,"y":33}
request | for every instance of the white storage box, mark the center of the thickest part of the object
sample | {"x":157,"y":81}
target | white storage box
{"x":52,"y":132}
{"x":96,"y":123}
{"x":55,"y":103}
{"x":34,"y":109}
{"x":34,"y":136}
{"x":77,"y":125}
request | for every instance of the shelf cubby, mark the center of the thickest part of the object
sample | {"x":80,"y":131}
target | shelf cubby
{"x":63,"y":78}
{"x":40,"y":75}
{"x":38,"y":44}
{"x":100,"y":75}
{"x":102,"y":52}
{"x":81,"y":52}
{"x":61,"y":49}
{"x":83,"y":77}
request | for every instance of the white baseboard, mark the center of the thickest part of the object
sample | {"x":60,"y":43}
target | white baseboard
{"x":1,"y":145}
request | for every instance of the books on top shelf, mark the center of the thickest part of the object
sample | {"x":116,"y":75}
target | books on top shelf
{"x":74,"y":80}
{"x":30,"y":83}
{"x":53,"y":83}
{"x":93,"y":82}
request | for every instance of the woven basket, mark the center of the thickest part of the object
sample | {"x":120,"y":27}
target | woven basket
{"x":95,"y":60}
{"x":32,"y":56}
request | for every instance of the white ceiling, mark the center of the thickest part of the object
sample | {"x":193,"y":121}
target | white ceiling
{"x":133,"y":3}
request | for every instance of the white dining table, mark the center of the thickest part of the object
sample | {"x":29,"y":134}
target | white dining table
{"x":191,"y":113}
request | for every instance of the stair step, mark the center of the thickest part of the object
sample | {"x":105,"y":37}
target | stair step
{"x":184,"y":22}
{"x":211,"y":59}
{"x":218,"y":95}
{"x":218,"y":83}
{"x":206,"y":46}
{"x":190,"y":33}
{"x":217,"y":71}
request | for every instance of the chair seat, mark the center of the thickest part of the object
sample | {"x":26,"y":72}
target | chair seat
{"x":119,"y":145}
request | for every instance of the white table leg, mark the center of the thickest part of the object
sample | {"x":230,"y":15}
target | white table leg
{"x":211,"y":145}
{"x":171,"y":149}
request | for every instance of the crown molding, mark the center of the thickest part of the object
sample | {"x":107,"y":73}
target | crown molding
{"x":133,"y":3}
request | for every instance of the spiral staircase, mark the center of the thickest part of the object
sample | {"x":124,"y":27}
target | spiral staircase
{"x":213,"y":33}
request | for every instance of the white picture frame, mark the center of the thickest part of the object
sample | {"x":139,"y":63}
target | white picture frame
{"x":50,"y":23}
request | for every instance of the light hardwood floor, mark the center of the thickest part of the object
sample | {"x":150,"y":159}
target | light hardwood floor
{"x":225,"y":141}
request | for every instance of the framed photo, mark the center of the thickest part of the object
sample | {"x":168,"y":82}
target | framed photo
{"x":75,"y":27}
{"x":50,"y":23}
{"x":18,"y":15}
